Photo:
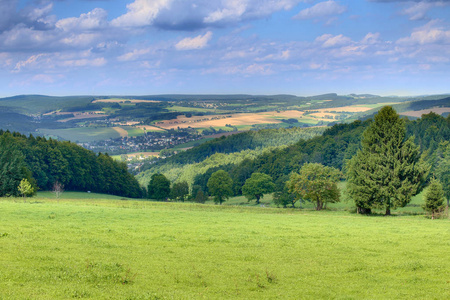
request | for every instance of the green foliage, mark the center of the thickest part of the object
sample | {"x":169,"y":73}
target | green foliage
{"x":257,"y":185}
{"x":179,"y":191}
{"x":316,"y":183}
{"x":158,"y":187}
{"x":220,"y":186}
{"x":434,"y":198}
{"x":13,"y":168}
{"x":242,"y":141}
{"x":200,"y":196}
{"x":25,"y":188}
{"x":388,"y":170}
{"x":284,"y":198}
{"x":443,"y":168}
{"x":43,"y":162}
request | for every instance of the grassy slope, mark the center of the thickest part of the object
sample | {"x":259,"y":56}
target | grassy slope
{"x":146,"y":250}
{"x":83,"y":134}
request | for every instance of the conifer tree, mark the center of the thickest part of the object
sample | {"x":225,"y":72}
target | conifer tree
{"x":434,"y":197}
{"x":388,"y":170}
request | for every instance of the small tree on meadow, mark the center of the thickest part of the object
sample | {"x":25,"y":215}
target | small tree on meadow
{"x":316,"y":183}
{"x":200,"y":197}
{"x":434,"y":198}
{"x":257,"y":185}
{"x":158,"y":187}
{"x":25,"y":188}
{"x":220,"y":186}
{"x":179,"y":191}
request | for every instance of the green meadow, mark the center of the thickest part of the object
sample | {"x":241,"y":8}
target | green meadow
{"x":82,"y":134}
{"x":88,"y":246}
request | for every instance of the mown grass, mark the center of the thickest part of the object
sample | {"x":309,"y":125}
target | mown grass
{"x":83,"y":134}
{"x":117,"y":249}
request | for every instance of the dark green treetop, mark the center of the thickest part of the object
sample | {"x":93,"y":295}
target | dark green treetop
{"x":257,"y":185}
{"x":434,"y":197}
{"x":388,"y":170}
{"x":159,"y":187}
{"x":220,"y":186}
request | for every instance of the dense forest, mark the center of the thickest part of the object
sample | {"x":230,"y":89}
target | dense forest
{"x":46,"y":162}
{"x":239,"y":143}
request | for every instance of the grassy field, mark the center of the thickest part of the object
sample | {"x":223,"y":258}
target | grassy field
{"x":96,"y":248}
{"x":83,"y":134}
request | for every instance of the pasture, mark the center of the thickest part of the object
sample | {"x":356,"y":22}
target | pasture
{"x":94,"y":248}
{"x":82,"y":134}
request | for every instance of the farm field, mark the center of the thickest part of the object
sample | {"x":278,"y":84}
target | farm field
{"x":241,"y":119}
{"x":80,"y":247}
{"x":82,"y":134}
{"x":419,"y":113}
{"x":121,"y":100}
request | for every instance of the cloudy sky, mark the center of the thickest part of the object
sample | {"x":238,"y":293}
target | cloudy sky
{"x":301,"y":47}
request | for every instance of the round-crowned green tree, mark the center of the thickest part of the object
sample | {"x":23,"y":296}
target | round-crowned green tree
{"x":257,"y":185}
{"x":316,"y":183}
{"x":179,"y":191}
{"x":25,"y":188}
{"x":434,"y":198}
{"x":159,"y":187}
{"x":220,"y":186}
{"x":388,"y":170}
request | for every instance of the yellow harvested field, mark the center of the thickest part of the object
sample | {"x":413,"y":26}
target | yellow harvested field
{"x":145,"y":154}
{"x":123,"y":100}
{"x":419,"y":113}
{"x":149,"y":128}
{"x":121,"y":131}
{"x":233,"y":119}
{"x":85,"y":115}
{"x":344,"y":109}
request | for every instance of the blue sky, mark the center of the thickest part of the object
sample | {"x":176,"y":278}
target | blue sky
{"x":301,"y":47}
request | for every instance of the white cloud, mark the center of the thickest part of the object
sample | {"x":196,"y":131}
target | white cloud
{"x":419,"y":10}
{"x":32,"y":60}
{"x":197,"y":42}
{"x":232,"y":10}
{"x":197,"y":14}
{"x":431,"y":33}
{"x":141,"y":13}
{"x":96,"y":19}
{"x":133,"y":55}
{"x":320,"y":10}
{"x":371,"y":38}
{"x":329,"y":40}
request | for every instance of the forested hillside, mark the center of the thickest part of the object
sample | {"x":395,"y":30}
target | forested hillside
{"x":225,"y":150}
{"x":46,"y":162}
{"x":337,"y":145}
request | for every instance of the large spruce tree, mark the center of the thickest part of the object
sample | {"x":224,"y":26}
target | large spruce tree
{"x":387,"y":171}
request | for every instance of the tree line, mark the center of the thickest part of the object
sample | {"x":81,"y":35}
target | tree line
{"x":44,"y":162}
{"x":386,"y":161}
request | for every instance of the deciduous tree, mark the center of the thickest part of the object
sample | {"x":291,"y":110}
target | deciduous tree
{"x":179,"y":191}
{"x":220,"y":186}
{"x":159,"y":187}
{"x":257,"y":185}
{"x":25,"y":188}
{"x":316,"y":183}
